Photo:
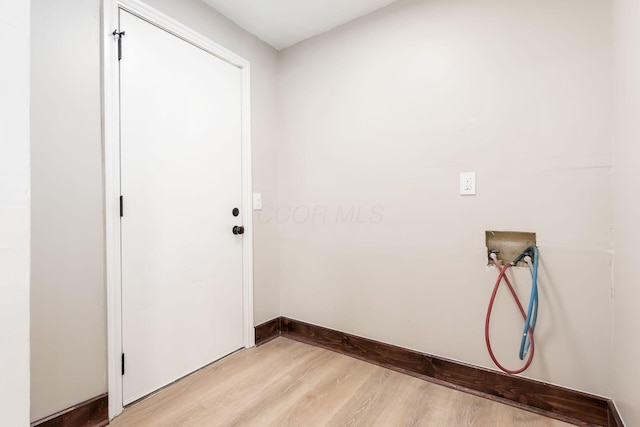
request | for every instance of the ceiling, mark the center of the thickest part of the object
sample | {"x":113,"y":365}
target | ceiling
{"x":282,"y":23}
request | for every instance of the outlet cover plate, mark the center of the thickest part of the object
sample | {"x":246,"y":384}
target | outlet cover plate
{"x":468,"y":184}
{"x":257,"y":201}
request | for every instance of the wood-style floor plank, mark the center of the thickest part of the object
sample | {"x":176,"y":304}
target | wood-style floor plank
{"x":288,"y":383}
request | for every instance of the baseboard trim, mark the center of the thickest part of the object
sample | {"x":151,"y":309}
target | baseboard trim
{"x":267,"y":331}
{"x":91,"y":413}
{"x":534,"y":396}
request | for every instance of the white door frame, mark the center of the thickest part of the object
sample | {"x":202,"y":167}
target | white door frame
{"x":111,"y":141}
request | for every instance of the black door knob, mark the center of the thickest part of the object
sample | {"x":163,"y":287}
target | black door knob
{"x":238,"y":229}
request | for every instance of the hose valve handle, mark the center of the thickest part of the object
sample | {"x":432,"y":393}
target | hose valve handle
{"x":495,"y":259}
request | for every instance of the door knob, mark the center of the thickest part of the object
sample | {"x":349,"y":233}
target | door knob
{"x":238,"y":229}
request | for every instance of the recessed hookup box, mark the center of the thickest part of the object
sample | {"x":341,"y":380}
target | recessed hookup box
{"x":509,"y":245}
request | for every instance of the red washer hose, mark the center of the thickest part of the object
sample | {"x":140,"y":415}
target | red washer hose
{"x":503,"y":275}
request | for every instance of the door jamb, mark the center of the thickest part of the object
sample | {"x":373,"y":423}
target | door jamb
{"x":111,"y":144}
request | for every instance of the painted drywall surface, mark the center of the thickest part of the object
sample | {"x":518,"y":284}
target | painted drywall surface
{"x":380,"y":117}
{"x":69,"y":297}
{"x":14,"y":213}
{"x":626,"y":348}
{"x":264,"y":122}
{"x":68,"y":312}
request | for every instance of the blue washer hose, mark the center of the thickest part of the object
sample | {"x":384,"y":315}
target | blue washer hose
{"x":532,"y":312}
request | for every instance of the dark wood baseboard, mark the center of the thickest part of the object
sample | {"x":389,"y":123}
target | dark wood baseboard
{"x":268,"y":330}
{"x":535,"y":396}
{"x":92,"y":413}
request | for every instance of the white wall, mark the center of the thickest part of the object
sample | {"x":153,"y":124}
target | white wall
{"x":384,"y":113}
{"x":68,"y":312}
{"x":69,"y":296}
{"x":626,"y":349}
{"x":14,"y":213}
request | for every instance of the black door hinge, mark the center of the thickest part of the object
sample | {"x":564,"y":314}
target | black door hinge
{"x":121,"y":206}
{"x":120,"y":35}
{"x":122,"y":363}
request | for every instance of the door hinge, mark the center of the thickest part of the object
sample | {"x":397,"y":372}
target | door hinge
{"x":122,"y":363}
{"x":120,"y":35}
{"x":121,"y":206}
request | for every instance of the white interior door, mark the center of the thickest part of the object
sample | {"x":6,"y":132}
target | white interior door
{"x":182,"y":303}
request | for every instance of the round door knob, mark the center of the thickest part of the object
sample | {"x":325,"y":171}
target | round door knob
{"x":238,"y":229}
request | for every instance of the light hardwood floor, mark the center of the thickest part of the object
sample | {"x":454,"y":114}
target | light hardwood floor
{"x":287,"y":383}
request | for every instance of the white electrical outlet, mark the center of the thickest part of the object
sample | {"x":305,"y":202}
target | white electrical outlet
{"x":257,"y":201}
{"x":468,"y":184}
